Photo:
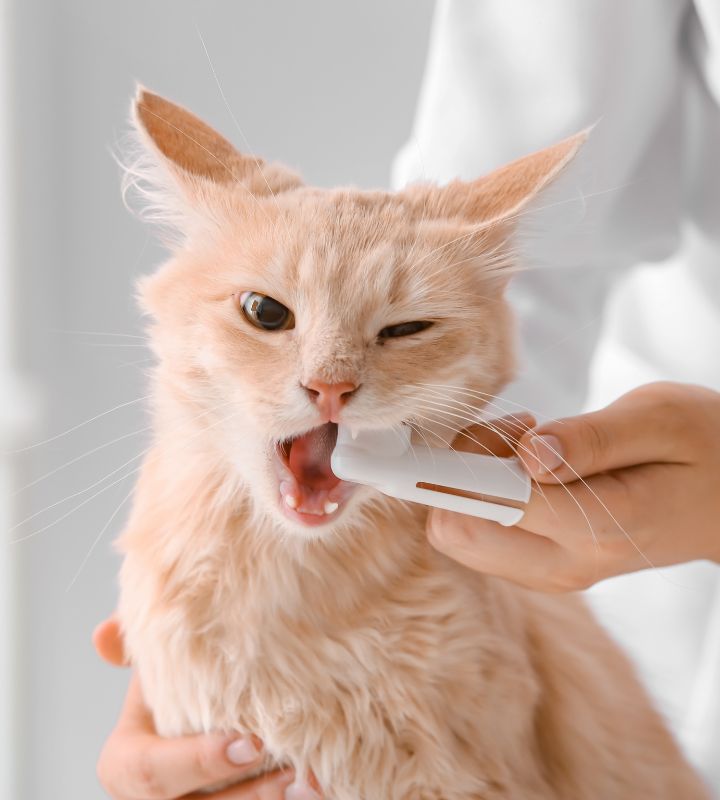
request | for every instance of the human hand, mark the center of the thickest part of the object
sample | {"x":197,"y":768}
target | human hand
{"x":631,"y":486}
{"x":137,"y":764}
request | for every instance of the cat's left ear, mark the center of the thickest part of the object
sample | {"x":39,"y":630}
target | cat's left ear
{"x":183,"y":168}
{"x":504,"y":193}
{"x":192,"y":150}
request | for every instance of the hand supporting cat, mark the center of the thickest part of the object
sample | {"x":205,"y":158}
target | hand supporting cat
{"x":137,"y":764}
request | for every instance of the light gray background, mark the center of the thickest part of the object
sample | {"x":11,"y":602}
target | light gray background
{"x":328,"y":87}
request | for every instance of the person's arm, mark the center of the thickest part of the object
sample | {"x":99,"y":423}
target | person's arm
{"x":137,"y":764}
{"x":632,"y":486}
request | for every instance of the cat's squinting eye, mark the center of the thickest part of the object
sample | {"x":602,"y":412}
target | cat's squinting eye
{"x":265,"y":312}
{"x":403,"y":329}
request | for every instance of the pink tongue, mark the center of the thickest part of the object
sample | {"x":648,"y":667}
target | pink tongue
{"x":310,"y":458}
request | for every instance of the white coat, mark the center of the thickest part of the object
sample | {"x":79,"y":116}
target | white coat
{"x":624,"y":287}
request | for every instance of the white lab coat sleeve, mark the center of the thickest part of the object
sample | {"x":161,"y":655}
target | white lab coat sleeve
{"x":507,"y":77}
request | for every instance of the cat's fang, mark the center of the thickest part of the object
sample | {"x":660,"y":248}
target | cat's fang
{"x":330,"y":507}
{"x":291,"y":501}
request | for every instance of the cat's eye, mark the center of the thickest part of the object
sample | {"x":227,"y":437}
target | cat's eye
{"x":403,"y":329}
{"x":265,"y":312}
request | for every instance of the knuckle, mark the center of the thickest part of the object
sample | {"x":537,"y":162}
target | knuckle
{"x":571,"y":580}
{"x":144,"y":779}
{"x":442,"y":530}
{"x":594,"y":438}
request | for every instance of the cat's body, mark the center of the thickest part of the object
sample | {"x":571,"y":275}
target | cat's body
{"x":362,"y":655}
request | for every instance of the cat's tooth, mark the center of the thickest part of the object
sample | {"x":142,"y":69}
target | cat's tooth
{"x":291,"y":501}
{"x":330,"y":507}
{"x":353,"y":432}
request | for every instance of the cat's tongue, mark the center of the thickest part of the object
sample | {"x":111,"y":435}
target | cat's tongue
{"x":309,"y":459}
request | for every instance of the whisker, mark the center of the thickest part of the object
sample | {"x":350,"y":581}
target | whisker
{"x":105,"y":477}
{"x":466,"y":435}
{"x":97,"y":539}
{"x":78,"y":426}
{"x":239,"y":129}
{"x":534,"y":487}
{"x":477,"y":412}
{"x":99,"y":333}
{"x":484,"y":396}
{"x":79,"y":458}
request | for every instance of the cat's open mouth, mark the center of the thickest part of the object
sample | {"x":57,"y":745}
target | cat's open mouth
{"x":309,"y":491}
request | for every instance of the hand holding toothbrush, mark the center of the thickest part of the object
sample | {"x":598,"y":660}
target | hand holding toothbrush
{"x":632,"y":486}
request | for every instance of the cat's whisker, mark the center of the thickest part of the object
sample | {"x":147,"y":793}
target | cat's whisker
{"x":239,"y":129}
{"x":596,"y":497}
{"x":37,"y":532}
{"x":534,"y":487}
{"x":80,"y":458}
{"x":490,"y":397}
{"x":101,"y":333}
{"x":78,"y":426}
{"x":105,"y":477}
{"x":97,"y":539}
{"x":115,"y":344}
{"x":455,"y":430}
{"x":152,"y":361}
{"x":603,"y":505}
{"x":422,"y":435}
{"x":476,"y":412}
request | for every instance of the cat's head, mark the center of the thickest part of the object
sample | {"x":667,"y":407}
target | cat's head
{"x":286,"y":309}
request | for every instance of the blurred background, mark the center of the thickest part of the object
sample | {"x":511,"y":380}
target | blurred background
{"x":328,"y":88}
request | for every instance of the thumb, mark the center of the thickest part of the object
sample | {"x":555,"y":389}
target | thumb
{"x":108,"y":641}
{"x":633,"y":430}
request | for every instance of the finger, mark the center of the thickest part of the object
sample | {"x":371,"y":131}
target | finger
{"x":135,"y":716}
{"x":148,"y":766}
{"x":507,"y":552}
{"x":108,"y":642}
{"x":588,"y":516}
{"x":636,"y":429}
{"x":268,"y":787}
{"x":497,"y":437}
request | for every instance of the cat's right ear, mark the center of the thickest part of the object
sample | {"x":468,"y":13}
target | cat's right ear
{"x":183,"y":162}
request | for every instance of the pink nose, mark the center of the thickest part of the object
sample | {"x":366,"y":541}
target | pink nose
{"x":330,"y":397}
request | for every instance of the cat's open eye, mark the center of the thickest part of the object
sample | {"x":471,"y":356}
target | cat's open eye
{"x":403,"y":329}
{"x":265,"y":312}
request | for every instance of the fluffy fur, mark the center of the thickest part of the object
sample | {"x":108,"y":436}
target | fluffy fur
{"x":352,"y":648}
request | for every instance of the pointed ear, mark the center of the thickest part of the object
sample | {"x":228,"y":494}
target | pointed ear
{"x":509,"y":189}
{"x":192,"y":150}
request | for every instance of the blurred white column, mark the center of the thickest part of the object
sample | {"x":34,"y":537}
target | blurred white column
{"x":14,"y":417}
{"x":7,"y":712}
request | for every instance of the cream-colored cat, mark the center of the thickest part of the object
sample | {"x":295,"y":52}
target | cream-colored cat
{"x":261,"y":594}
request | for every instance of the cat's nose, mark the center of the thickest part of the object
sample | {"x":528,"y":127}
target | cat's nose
{"x":330,"y":397}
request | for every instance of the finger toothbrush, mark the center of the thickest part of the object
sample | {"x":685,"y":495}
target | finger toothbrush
{"x":490,"y":487}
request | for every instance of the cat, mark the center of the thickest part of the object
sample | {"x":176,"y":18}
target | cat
{"x":261,"y":594}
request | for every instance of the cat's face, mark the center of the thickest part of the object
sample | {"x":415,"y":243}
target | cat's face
{"x":286,"y":310}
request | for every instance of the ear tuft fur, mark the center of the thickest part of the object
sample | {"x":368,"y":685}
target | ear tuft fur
{"x":176,"y":163}
{"x":502,"y":194}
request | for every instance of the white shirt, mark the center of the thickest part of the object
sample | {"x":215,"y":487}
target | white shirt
{"x":507,"y":77}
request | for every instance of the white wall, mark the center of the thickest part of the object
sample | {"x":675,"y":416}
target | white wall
{"x":326,"y":86}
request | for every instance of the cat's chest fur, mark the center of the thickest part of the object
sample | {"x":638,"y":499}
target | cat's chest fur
{"x":381,"y":642}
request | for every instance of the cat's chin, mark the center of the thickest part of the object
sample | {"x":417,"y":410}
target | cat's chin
{"x":308,"y":493}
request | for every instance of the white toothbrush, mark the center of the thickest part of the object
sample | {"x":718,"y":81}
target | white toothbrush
{"x":490,"y":487}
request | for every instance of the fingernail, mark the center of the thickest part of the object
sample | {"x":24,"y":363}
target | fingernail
{"x":548,"y":452}
{"x":301,"y":791}
{"x":242,"y":751}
